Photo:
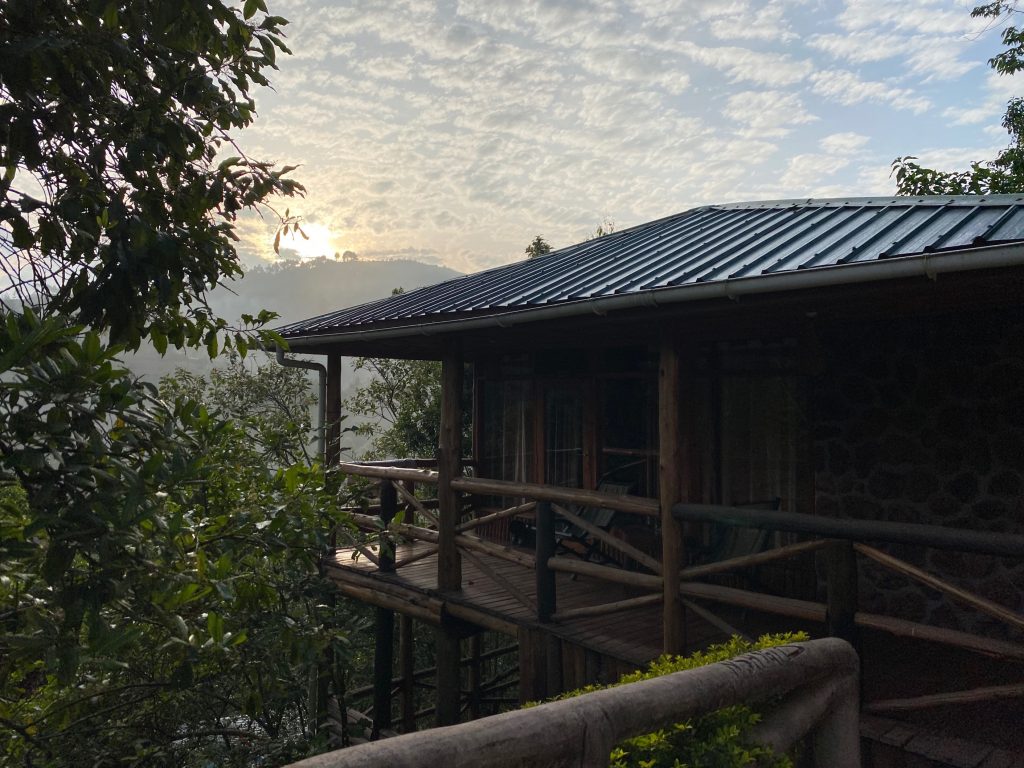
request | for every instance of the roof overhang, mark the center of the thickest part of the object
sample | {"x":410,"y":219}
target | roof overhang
{"x":923,"y":265}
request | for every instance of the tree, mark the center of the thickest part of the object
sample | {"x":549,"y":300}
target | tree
{"x":160,"y":587}
{"x":1005,"y":173}
{"x":401,"y":407}
{"x":269,"y":402}
{"x":121,"y":182}
{"x":538,"y":247}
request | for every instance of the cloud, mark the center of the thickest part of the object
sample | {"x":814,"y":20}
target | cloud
{"x":844,"y":143}
{"x":847,"y":88}
{"x":767,"y":113}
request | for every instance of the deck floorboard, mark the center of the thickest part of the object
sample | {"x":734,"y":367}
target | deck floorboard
{"x":632,"y":636}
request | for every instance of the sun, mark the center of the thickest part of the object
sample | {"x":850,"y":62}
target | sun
{"x":319,"y":241}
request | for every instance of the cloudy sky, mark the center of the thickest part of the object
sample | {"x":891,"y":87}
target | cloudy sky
{"x":454,"y":131}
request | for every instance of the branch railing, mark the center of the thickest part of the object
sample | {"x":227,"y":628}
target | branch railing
{"x":544,"y":504}
{"x":846,"y":539}
{"x":816,"y":684}
{"x":841,"y":542}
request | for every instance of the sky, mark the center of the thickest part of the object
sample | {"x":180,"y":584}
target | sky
{"x":453,"y":132}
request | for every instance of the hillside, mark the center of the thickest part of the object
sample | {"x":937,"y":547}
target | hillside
{"x":295,"y":290}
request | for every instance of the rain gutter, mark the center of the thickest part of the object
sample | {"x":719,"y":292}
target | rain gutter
{"x":928,"y":265}
{"x":321,"y":401}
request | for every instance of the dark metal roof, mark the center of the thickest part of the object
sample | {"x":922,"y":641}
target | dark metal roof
{"x":703,"y":245}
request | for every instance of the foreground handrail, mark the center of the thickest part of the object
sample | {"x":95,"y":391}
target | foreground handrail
{"x":817,"y":681}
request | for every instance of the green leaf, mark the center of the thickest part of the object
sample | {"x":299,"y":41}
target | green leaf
{"x":215,"y":624}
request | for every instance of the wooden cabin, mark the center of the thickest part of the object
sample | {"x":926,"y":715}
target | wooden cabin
{"x":801,"y":413}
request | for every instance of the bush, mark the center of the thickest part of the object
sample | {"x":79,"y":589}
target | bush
{"x":712,"y":741}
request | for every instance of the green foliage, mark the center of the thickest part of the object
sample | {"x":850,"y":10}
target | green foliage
{"x":537,"y":247}
{"x":712,"y":741}
{"x":269,"y":402}
{"x":160,"y":588}
{"x":401,"y":406}
{"x":1005,"y":173}
{"x":119,"y":204}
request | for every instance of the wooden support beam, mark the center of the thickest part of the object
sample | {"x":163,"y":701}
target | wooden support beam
{"x":423,"y":553}
{"x":415,"y":505}
{"x":747,"y":561}
{"x":449,"y":686}
{"x":669,"y":493}
{"x":637,"y":505}
{"x":937,"y":536}
{"x":603,"y":536}
{"x":603,"y":609}
{"x":962,"y":595}
{"x":474,"y":677}
{"x":987,"y":693}
{"x":520,"y":509}
{"x":406,"y":661}
{"x":391,"y":473}
{"x":388,"y":510}
{"x":545,"y":550}
{"x":841,"y":603}
{"x":382,"y":669}
{"x":714,"y":620}
{"x":449,"y":467}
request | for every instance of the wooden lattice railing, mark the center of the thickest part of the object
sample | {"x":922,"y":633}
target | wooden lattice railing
{"x":840,"y":542}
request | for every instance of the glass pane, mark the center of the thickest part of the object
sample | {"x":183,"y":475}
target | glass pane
{"x":563,"y":437}
{"x":507,"y":434}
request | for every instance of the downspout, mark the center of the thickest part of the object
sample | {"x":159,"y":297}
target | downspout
{"x":321,"y":405}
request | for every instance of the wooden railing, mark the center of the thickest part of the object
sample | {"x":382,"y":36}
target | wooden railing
{"x":841,"y":543}
{"x":846,"y":539}
{"x":544,"y":504}
{"x":815,"y":682}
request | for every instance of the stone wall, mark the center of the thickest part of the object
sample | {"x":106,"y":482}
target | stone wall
{"x":923,"y":422}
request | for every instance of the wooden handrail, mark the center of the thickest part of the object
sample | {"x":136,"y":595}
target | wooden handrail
{"x":638,"y":505}
{"x":822,"y":674}
{"x":937,"y":536}
{"x":388,"y":472}
{"x":977,"y":602}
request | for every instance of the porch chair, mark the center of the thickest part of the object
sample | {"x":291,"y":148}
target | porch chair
{"x":571,"y":539}
{"x":728,"y":542}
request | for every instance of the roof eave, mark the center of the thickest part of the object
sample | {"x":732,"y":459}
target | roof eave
{"x":928,"y":265}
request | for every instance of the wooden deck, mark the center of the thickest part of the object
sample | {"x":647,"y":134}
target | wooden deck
{"x":633,"y":636}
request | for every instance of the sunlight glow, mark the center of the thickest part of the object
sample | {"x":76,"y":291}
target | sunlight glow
{"x":320,"y":242}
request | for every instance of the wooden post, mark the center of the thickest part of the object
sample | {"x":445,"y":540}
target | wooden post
{"x":545,"y":549}
{"x":410,"y":515}
{"x":474,"y":677}
{"x":382,"y":663}
{"x":449,"y":565}
{"x":449,"y":466}
{"x":407,"y":661}
{"x":388,"y":510}
{"x":669,"y":468}
{"x":449,"y":682}
{"x":841,"y":604}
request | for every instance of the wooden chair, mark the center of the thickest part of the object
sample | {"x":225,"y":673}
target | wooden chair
{"x":572,"y":539}
{"x":728,"y":542}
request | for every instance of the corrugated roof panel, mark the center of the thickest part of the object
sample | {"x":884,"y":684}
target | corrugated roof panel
{"x":708,"y":244}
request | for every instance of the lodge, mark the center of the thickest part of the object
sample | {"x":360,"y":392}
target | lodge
{"x":739,"y":418}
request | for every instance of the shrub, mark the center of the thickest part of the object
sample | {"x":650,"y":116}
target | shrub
{"x":711,"y":741}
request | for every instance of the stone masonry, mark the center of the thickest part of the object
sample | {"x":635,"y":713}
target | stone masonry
{"x":923,"y":421}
